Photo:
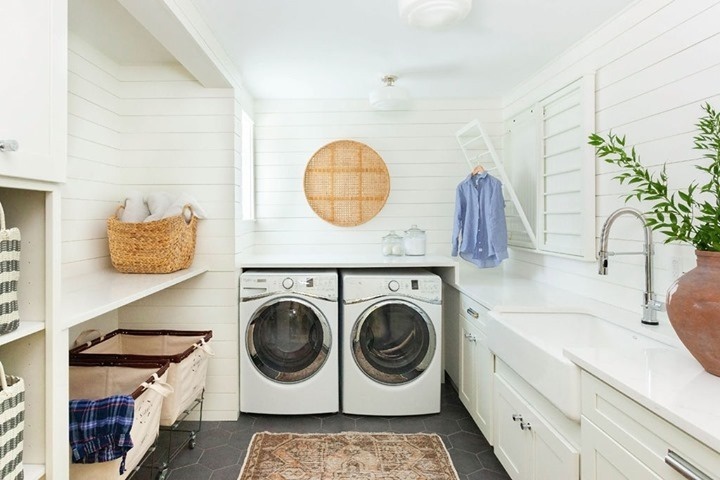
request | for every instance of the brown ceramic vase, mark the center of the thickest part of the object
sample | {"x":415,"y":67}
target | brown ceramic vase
{"x":693,"y":305}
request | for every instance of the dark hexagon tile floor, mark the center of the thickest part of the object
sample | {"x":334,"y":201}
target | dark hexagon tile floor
{"x":221,"y":446}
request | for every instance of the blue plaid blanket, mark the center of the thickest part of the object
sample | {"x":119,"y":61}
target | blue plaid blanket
{"x":100,"y":429}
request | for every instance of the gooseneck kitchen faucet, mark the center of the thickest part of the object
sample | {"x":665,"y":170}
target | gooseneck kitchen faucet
{"x":650,"y":305}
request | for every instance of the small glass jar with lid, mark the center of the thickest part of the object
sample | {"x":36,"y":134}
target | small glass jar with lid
{"x":392,"y":245}
{"x":414,"y":241}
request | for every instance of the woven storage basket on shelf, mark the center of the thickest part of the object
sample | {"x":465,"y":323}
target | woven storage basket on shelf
{"x":9,"y":276}
{"x":163,"y":246}
{"x":346,"y":183}
{"x":12,"y":424}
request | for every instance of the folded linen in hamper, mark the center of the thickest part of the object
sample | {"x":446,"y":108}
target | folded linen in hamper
{"x":100,"y":429}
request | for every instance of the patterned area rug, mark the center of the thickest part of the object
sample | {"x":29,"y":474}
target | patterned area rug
{"x":346,"y":456}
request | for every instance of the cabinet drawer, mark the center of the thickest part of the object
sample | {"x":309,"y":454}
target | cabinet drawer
{"x":643,"y":434}
{"x":473,"y":311}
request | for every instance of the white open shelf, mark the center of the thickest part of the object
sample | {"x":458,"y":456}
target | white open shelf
{"x":25,"y":329}
{"x":89,"y":296}
{"x":33,"y":472}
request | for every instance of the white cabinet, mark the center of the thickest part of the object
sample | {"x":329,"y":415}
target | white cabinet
{"x":619,"y":435}
{"x":33,"y":88}
{"x":29,"y":352}
{"x":604,"y":459}
{"x":475,"y":384}
{"x":525,"y":443}
{"x":451,"y":333}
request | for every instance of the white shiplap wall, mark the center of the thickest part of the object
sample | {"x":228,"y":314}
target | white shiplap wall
{"x":91,"y":192}
{"x":656,"y":64}
{"x":418,"y":146}
{"x":155,"y":128}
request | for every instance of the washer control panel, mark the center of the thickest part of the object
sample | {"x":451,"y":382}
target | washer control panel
{"x":258,"y":284}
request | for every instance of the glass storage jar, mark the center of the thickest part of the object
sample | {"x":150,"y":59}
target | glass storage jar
{"x":392,"y":244}
{"x":414,"y":241}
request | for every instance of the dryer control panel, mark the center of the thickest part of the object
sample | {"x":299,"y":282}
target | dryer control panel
{"x":421,"y":287}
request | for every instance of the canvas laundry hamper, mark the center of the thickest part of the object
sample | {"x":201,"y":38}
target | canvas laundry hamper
{"x":186,"y":351}
{"x":146,"y":382}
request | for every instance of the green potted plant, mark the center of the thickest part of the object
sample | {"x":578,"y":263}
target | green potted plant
{"x":690,"y":215}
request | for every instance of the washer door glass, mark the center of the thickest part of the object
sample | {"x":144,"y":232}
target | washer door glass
{"x":288,"y":340}
{"x":393,"y":342}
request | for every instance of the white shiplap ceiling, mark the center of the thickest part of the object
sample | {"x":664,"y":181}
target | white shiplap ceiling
{"x":341,"y":48}
{"x":310,"y":49}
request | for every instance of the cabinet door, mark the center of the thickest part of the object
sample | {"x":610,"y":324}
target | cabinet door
{"x":552,"y":456}
{"x":513,"y":446}
{"x":451,"y":333}
{"x":482,"y":410}
{"x":604,"y":459}
{"x":527,"y":446}
{"x":468,"y":384}
{"x":33,"y":88}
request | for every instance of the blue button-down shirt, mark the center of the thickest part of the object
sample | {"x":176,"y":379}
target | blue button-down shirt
{"x":479,"y":231}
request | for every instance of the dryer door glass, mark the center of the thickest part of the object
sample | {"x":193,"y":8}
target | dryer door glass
{"x":288,"y":340}
{"x":393,"y":342}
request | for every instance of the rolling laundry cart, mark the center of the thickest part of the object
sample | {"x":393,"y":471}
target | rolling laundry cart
{"x":186,"y":351}
{"x":146,"y":383}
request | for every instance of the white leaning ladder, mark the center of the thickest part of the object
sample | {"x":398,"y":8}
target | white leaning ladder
{"x":477,"y":149}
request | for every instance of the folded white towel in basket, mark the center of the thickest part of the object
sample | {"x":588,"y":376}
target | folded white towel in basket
{"x":158,"y":205}
{"x":176,"y":207}
{"x":135,"y":208}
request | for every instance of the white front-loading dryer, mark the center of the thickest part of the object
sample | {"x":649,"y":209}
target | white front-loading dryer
{"x":289,"y":342}
{"x":392,"y":336}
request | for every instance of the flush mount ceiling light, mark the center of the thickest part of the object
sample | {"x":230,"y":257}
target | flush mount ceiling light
{"x":433,"y":13}
{"x":389,"y":96}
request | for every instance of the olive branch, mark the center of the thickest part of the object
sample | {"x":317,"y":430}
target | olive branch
{"x":690,"y":215}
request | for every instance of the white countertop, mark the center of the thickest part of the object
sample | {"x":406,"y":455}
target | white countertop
{"x":349,"y":260}
{"x":667,"y":381}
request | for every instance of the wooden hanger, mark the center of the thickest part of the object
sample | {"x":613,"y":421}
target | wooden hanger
{"x":478,"y":169}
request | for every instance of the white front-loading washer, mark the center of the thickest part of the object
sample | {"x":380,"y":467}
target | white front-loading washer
{"x":392,"y":336}
{"x":289,"y":342}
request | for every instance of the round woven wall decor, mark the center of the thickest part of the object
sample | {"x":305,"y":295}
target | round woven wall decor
{"x":346,"y":183}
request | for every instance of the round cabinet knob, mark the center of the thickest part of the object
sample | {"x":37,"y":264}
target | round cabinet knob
{"x":288,"y":283}
{"x":394,"y":286}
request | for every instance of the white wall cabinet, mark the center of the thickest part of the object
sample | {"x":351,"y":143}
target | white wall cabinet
{"x":525,"y":443}
{"x":33,"y":88}
{"x":475,"y":384}
{"x":622,"y":439}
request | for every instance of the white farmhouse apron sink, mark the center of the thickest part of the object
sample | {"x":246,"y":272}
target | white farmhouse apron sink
{"x":533,"y":344}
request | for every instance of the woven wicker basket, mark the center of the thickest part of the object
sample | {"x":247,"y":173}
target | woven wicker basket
{"x":12,"y":424}
{"x":9,"y":276}
{"x":163,"y":246}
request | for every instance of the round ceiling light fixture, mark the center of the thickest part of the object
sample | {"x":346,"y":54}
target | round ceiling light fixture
{"x":389,"y":96}
{"x":433,"y":13}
